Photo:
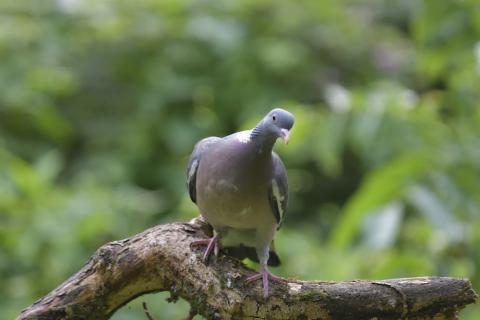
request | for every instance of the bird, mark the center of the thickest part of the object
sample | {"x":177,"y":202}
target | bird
{"x":240,"y":186}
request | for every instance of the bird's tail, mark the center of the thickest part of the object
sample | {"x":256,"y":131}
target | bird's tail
{"x":241,"y":252}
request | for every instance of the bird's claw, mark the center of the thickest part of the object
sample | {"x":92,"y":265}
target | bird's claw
{"x":266,"y":276}
{"x":212,"y":244}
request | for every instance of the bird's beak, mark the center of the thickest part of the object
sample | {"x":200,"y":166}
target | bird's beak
{"x":285,"y":135}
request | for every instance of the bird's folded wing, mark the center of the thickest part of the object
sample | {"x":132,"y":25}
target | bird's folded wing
{"x":200,"y":148}
{"x":278,"y":190}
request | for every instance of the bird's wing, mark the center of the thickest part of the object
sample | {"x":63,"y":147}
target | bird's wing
{"x":278,"y":190}
{"x":200,"y":148}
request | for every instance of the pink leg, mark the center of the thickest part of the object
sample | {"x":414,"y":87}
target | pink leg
{"x":265,"y":275}
{"x":212,"y":244}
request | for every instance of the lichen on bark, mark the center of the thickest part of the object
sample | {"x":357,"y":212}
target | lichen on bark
{"x":162,"y":259}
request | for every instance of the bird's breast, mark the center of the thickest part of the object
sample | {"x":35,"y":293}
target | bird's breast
{"x":233,"y":191}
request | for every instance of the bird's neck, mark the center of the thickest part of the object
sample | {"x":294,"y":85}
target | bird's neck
{"x":262,"y":139}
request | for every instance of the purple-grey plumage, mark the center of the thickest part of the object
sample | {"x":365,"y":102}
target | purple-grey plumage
{"x":240,"y":186}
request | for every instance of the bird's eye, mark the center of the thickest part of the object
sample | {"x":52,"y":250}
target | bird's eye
{"x":274,"y":118}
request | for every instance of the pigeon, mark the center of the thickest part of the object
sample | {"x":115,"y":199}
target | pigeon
{"x":240,"y":187}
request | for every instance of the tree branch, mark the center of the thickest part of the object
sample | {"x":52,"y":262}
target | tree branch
{"x":161,"y":259}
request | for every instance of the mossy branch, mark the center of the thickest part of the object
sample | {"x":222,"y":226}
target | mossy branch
{"x":161,"y":259}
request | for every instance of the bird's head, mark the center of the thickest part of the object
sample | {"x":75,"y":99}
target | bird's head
{"x":279,"y":122}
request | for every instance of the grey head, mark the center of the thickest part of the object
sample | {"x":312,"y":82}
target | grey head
{"x":276,"y":124}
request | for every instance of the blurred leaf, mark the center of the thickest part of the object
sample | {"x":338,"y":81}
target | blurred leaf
{"x":432,"y":209}
{"x":380,"y":229}
{"x":379,"y":187}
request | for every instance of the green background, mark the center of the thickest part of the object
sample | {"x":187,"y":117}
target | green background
{"x":101,"y":103}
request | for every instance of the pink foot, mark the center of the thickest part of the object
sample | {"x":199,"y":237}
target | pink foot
{"x":265,"y":275}
{"x":212,"y":244}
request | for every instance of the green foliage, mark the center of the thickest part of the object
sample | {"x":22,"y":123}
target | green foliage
{"x":101,"y":103}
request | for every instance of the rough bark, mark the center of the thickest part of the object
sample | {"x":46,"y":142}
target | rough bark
{"x":161,"y":259}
